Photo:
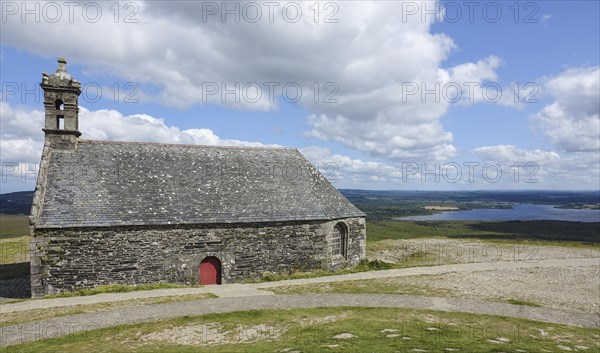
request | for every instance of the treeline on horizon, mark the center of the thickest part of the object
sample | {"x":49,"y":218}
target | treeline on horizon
{"x":386,"y":204}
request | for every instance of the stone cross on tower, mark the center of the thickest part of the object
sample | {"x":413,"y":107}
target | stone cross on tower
{"x":61,"y":93}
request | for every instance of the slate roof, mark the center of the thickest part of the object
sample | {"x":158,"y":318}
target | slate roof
{"x":105,"y":183}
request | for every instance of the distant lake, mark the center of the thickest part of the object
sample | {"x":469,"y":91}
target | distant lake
{"x":524,"y":212}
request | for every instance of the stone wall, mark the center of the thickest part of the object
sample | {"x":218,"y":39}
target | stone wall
{"x":71,"y":259}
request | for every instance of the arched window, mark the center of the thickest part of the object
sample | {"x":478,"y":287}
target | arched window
{"x":60,"y":118}
{"x":339,"y":240}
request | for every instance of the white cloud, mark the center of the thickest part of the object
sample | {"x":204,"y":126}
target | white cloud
{"x":22,"y":137}
{"x":497,"y":167}
{"x":368,"y":54}
{"x":572,"y":121}
{"x":482,"y":70}
{"x":21,"y":134}
{"x":346,"y":172}
{"x":390,"y":139}
{"x":572,"y":124}
{"x":544,"y":169}
{"x":111,"y":125}
{"x":22,"y":140}
{"x":510,"y":153}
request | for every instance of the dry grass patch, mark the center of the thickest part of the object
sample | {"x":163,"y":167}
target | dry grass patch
{"x":14,"y":249}
{"x":20,"y":317}
{"x":368,"y":286}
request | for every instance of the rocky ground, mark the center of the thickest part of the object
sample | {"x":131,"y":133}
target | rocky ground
{"x":456,"y":251}
{"x":572,"y":287}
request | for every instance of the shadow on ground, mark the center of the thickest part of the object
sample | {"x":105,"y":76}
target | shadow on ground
{"x":15,"y":281}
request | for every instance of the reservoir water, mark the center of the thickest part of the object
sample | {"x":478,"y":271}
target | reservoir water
{"x":525,"y":212}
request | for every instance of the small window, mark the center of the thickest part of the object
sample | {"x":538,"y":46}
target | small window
{"x":60,"y":122}
{"x":339,"y":240}
{"x":59,"y":105}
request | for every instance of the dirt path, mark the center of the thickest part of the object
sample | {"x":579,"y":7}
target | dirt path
{"x":60,"y":326}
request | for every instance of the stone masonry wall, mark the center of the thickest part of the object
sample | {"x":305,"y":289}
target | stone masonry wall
{"x":72,"y":259}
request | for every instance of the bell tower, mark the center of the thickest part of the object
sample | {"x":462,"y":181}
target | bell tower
{"x":61,"y":94}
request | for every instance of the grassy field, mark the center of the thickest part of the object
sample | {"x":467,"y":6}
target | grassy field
{"x":541,"y":231}
{"x":117,"y":288}
{"x":14,"y":245}
{"x":342,"y":329}
{"x":13,"y":226}
{"x":364,"y":265}
{"x":370,"y":286}
{"x":112,"y":288}
{"x":14,"y":250}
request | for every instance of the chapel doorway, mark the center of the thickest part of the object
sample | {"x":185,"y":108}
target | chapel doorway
{"x":210,"y":271}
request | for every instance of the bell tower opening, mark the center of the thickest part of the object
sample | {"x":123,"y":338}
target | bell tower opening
{"x":60,"y":118}
{"x":61,"y":93}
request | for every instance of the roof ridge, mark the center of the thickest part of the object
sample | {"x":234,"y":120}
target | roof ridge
{"x":185,"y":144}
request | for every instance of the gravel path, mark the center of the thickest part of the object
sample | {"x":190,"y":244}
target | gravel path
{"x":60,"y":326}
{"x":569,"y":288}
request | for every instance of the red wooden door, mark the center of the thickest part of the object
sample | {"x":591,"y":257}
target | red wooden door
{"x":210,"y":271}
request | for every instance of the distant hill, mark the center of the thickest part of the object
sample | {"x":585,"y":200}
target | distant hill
{"x":20,"y":202}
{"x":382,"y":205}
{"x":545,"y":197}
{"x":16,"y":202}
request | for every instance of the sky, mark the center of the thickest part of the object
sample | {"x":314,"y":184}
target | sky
{"x":381,"y":95}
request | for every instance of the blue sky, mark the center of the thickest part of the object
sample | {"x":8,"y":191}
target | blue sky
{"x":166,"y":54}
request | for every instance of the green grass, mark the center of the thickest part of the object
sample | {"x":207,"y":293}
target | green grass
{"x":538,"y":232}
{"x":398,"y":230}
{"x":14,"y":244}
{"x":14,"y":250}
{"x":522,"y":302}
{"x":369,"y":286}
{"x":363,"y":266}
{"x":380,"y":330}
{"x":115,"y":288}
{"x":13,"y":226}
{"x":112,"y":288}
